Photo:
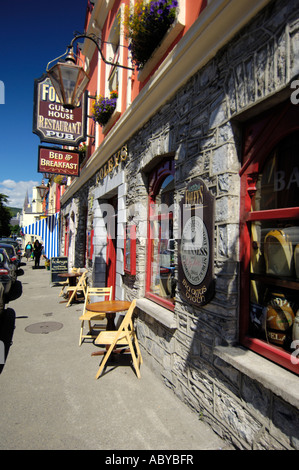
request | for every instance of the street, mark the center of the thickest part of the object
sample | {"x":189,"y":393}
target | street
{"x":50,"y":399}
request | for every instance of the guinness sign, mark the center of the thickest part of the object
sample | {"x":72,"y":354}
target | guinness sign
{"x":196,"y":246}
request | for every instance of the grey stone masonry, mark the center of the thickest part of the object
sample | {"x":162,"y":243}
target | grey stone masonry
{"x":200,"y":128}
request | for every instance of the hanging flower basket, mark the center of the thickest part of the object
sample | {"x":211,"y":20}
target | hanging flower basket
{"x":146,"y":25}
{"x":82,"y":147}
{"x":60,"y":180}
{"x":82,"y":152}
{"x":103,"y":108}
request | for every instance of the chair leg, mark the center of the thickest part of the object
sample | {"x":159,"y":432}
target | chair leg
{"x":135,"y":362}
{"x":81,"y":333}
{"x":105,"y":359}
{"x":140,"y":360}
{"x":71,"y":298}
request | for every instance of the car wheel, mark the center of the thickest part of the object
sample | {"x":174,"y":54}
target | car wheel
{"x":2,"y":304}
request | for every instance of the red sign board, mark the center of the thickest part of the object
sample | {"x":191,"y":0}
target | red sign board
{"x":60,"y":162}
{"x":51,"y":121}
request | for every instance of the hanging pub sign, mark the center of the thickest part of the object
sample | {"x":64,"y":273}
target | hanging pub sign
{"x":60,"y":162}
{"x":51,"y":121}
{"x":196,"y":244}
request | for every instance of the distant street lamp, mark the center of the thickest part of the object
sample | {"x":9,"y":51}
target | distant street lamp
{"x":69,"y":79}
{"x":42,"y":190}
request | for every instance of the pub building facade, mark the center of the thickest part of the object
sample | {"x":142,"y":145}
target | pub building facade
{"x":188,"y":201}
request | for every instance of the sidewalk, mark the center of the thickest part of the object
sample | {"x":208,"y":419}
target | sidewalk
{"x":50,"y":399}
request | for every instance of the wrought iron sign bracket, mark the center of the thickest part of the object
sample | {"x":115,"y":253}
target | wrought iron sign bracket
{"x":95,"y":40}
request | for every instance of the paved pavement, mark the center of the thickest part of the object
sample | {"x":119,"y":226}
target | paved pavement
{"x":49,"y":398}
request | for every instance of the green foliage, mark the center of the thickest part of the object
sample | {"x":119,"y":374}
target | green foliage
{"x":5,"y":216}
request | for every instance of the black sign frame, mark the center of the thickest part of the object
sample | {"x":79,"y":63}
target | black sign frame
{"x":196,"y":281}
{"x":36,"y":129}
{"x":59,"y":264}
{"x":57,"y":170}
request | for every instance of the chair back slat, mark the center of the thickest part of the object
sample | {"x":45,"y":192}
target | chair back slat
{"x":104,"y":292}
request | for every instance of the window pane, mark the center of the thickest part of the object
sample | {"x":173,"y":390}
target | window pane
{"x":162,"y":281}
{"x":274,"y":285}
{"x":278,"y":183}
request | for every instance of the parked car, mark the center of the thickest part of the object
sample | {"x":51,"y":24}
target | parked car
{"x":15,"y":243}
{"x":7,"y":277}
{"x":11,"y":251}
{"x":2,"y":298}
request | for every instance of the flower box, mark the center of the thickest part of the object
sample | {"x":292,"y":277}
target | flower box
{"x":103,"y":108}
{"x":146,"y":26}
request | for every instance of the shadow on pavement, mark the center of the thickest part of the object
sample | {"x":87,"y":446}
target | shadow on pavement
{"x":7,"y":326}
{"x":16,"y":291}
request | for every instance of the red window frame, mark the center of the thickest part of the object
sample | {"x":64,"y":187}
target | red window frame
{"x":130,"y":248}
{"x":66,"y":235}
{"x":89,"y":244}
{"x":156,"y":178}
{"x":261,"y":137}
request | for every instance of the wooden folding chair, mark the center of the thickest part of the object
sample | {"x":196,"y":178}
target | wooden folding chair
{"x":65,"y":284}
{"x":125,"y":337}
{"x":98,"y":293}
{"x":79,"y":287}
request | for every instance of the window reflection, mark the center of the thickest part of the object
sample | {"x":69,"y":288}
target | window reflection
{"x":274,"y":250}
{"x":162,"y":241}
{"x":278,"y":184}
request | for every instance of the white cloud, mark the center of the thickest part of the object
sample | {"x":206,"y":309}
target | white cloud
{"x":16,"y":191}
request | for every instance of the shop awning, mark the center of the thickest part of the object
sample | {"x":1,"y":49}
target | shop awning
{"x":47,"y":231}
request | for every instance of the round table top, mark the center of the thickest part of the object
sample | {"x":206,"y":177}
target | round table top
{"x":108,"y":306}
{"x":69,"y":274}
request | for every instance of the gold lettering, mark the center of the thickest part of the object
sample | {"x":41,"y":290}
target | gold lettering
{"x":113,"y":162}
{"x":44,"y":91}
{"x":194,"y":197}
{"x":110,"y":165}
{"x":116,"y":158}
{"x":123,"y":153}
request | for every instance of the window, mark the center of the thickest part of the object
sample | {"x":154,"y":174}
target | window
{"x":113,"y":48}
{"x":160,"y":285}
{"x":66,"y":235}
{"x":116,"y":54}
{"x":270,"y":236}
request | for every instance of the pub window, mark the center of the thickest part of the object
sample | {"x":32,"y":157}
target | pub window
{"x":160,"y":285}
{"x":270,"y":239}
{"x":116,"y":54}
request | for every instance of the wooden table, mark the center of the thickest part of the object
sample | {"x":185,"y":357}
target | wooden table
{"x":72,"y":277}
{"x":110,"y":308}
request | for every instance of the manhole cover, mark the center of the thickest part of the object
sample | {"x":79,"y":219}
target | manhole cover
{"x":44,"y":327}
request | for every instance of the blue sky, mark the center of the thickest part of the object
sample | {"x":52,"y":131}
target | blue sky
{"x":32,"y":33}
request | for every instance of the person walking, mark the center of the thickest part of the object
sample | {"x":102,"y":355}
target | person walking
{"x":28,"y":250}
{"x":37,"y":251}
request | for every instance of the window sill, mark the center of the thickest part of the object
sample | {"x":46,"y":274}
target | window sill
{"x":111,"y":121}
{"x":280,"y":381}
{"x":161,"y":314}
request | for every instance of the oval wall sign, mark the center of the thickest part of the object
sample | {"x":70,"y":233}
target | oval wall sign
{"x":196,"y":244}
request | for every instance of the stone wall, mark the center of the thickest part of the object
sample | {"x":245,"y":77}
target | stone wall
{"x":201,"y":127}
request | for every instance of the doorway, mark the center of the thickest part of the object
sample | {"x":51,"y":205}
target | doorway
{"x":111,"y":244}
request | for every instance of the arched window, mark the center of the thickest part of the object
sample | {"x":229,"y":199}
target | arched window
{"x":160,"y":281}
